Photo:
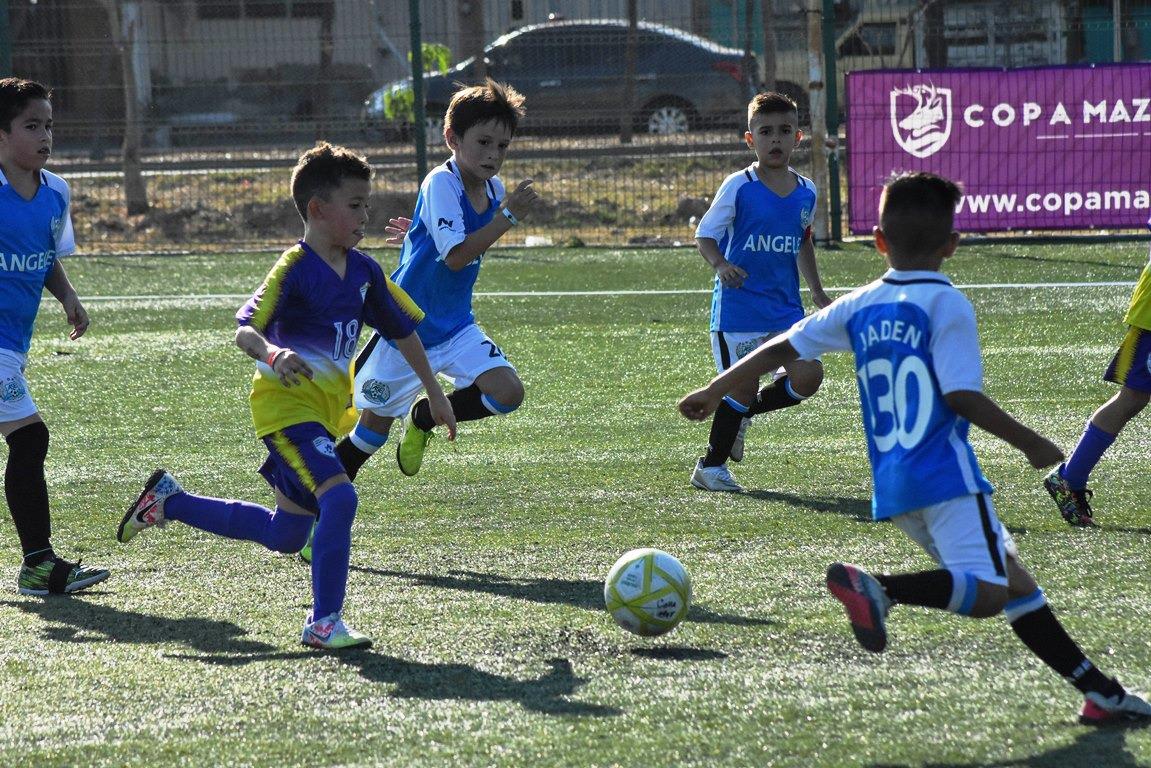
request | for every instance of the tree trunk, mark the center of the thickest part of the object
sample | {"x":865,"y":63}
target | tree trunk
{"x":934,"y":42}
{"x":627,"y":104}
{"x":321,"y":86}
{"x":818,"y":101}
{"x":124,"y":18}
{"x":472,"y":33}
{"x":768,"y":63}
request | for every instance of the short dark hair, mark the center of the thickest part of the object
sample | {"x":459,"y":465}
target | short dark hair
{"x":15,"y":93}
{"x":480,"y":103}
{"x":917,"y":212}
{"x":770,"y":103}
{"x":321,"y":170}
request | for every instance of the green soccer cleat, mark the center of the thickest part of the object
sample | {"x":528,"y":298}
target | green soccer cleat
{"x":410,"y":451}
{"x":306,"y":552}
{"x":331,"y":634}
{"x":58,"y":577}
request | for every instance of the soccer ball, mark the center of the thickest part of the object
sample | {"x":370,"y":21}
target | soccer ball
{"x":647,"y":592}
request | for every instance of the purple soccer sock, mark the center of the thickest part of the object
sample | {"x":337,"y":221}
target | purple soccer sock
{"x":332,"y":550}
{"x":279,"y":531}
{"x":1086,"y":455}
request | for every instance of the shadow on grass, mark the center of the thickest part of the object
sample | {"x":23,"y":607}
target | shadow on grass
{"x":459,"y":682}
{"x":678,"y":653}
{"x":860,"y":509}
{"x":580,"y":593}
{"x":1091,"y":749}
{"x":79,"y":621}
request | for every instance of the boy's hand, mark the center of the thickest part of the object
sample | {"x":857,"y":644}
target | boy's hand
{"x":523,"y":200}
{"x":1043,"y":453}
{"x":290,"y":367}
{"x":820,"y":299}
{"x":700,"y":404}
{"x":730,"y":276}
{"x":397,"y":229}
{"x":442,"y":412}
{"x":77,"y":316}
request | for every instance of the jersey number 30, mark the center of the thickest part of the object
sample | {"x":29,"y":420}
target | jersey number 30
{"x":888,"y":395}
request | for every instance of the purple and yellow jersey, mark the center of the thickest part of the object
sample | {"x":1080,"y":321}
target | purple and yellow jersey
{"x":1139,"y":310}
{"x":305,"y":306}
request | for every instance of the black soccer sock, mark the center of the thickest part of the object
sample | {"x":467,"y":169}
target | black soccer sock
{"x":351,"y":457}
{"x":773,"y":397}
{"x":26,"y":491}
{"x":467,"y":405}
{"x":724,"y":429}
{"x":930,"y":589}
{"x":1042,"y":633}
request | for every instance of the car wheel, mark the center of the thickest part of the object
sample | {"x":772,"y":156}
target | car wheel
{"x":668,"y":117}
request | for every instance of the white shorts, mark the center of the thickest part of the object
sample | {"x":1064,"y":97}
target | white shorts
{"x":962,"y":534}
{"x":15,"y":399}
{"x":387,"y":386}
{"x":729,"y":347}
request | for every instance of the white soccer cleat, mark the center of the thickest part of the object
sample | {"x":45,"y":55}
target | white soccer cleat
{"x":1107,"y":710}
{"x":737,"y":447}
{"x":330,"y":633}
{"x":149,"y":507}
{"x":714,"y":478}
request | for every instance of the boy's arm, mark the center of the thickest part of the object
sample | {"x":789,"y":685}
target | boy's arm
{"x":284,"y":362}
{"x":700,"y":404}
{"x":730,"y":276}
{"x":413,"y":351}
{"x":59,"y":286}
{"x":810,"y":272}
{"x":982,"y":411}
{"x":519,"y":203}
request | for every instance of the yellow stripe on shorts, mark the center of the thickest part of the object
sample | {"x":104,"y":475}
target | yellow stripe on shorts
{"x":291,"y":454}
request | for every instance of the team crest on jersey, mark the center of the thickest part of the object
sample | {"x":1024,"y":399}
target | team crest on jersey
{"x":325,"y":446}
{"x":377,"y":391}
{"x":1148,"y":363}
{"x":745,"y":348}
{"x":364,"y":291}
{"x":12,"y":390}
{"x":921,"y":118}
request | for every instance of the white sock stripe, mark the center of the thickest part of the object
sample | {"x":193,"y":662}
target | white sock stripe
{"x":362,"y":445}
{"x":792,"y":392}
{"x":958,"y":590}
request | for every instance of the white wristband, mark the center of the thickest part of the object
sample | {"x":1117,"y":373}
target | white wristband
{"x":509,"y":216}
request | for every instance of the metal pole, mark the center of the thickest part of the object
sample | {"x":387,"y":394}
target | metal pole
{"x":419,"y":111}
{"x":831,"y":88}
{"x":5,"y":41}
{"x":1116,"y":31}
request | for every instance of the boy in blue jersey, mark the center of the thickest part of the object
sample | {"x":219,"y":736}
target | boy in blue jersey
{"x":757,"y":237}
{"x":920,"y":385}
{"x":461,"y":211}
{"x":1130,"y":368}
{"x":35,"y":231}
{"x":302,"y":325}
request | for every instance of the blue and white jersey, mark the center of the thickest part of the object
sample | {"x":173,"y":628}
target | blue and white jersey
{"x":915,"y":340}
{"x":760,"y":232}
{"x":33,"y":233}
{"x":443,"y":218}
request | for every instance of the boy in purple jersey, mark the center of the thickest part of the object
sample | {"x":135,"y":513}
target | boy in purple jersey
{"x":920,"y":383}
{"x":302,"y":325}
{"x":35,"y":230}
{"x":757,"y":237}
{"x":1130,"y":368}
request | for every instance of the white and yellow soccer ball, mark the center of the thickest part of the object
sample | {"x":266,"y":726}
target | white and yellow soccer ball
{"x":647,"y":592}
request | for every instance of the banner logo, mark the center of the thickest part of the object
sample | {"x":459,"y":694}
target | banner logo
{"x":921,"y":118}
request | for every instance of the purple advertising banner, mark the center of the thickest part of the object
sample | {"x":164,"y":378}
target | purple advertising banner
{"x":1042,"y":148}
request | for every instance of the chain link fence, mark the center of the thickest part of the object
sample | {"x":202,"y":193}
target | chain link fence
{"x":216,"y":98}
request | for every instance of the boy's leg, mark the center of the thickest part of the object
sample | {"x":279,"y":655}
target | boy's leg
{"x":385,"y":388}
{"x":368,"y":436}
{"x":800,"y":381}
{"x":1037,"y":627}
{"x":486,"y":385}
{"x":26,"y":491}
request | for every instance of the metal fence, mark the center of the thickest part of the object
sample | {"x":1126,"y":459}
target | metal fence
{"x":221,"y":96}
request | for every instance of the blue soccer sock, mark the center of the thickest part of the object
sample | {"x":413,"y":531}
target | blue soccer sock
{"x":1086,"y":455}
{"x":332,"y":550}
{"x":279,"y":531}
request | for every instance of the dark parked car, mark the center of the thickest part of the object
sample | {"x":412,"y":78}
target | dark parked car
{"x":572,"y":73}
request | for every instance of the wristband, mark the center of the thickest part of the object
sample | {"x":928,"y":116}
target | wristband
{"x":509,"y":216}
{"x":271,"y":361}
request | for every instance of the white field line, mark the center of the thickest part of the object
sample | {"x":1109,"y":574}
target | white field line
{"x":156,"y":298}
